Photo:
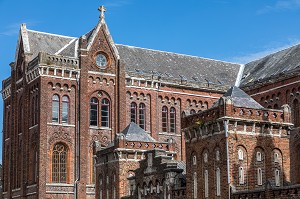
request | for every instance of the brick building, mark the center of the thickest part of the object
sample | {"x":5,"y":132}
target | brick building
{"x":68,"y":96}
{"x":65,"y":93}
{"x":237,"y":146}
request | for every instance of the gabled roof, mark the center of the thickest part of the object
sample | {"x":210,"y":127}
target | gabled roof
{"x":178,"y":66}
{"x":135,"y":133}
{"x":240,"y":99}
{"x":276,"y":64}
{"x":45,"y":42}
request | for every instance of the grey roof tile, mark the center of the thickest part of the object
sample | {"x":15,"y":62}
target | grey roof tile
{"x":45,"y":42}
{"x":240,"y":99}
{"x":177,"y":65}
{"x":135,"y":133}
{"x":275,"y":64}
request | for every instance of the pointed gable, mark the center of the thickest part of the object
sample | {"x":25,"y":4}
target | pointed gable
{"x":135,"y":133}
{"x":240,"y":99}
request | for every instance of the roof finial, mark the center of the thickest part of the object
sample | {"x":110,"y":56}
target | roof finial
{"x":102,"y":9}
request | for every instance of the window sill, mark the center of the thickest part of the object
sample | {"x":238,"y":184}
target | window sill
{"x":63,"y":124}
{"x":169,"y":134}
{"x":100,"y":128}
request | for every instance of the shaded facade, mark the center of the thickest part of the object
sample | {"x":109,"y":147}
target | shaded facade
{"x":237,"y":146}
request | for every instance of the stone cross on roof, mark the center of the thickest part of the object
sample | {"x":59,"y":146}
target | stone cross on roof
{"x":102,"y":9}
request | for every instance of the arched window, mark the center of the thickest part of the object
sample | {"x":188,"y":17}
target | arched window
{"x":241,"y":176}
{"x":218,"y":181}
{"x":142,"y":114}
{"x":205,"y":184}
{"x":172,"y":120}
{"x":276,"y":157}
{"x":164,"y":119}
{"x":55,"y":108}
{"x":157,"y":187}
{"x":59,"y":163}
{"x":105,"y":113}
{"x":65,"y":109}
{"x":259,"y":176}
{"x":194,"y":160}
{"x":192,"y":112}
{"x":195,"y":185}
{"x":94,"y":112}
{"x":258,"y":156}
{"x":133,"y":112}
{"x":277,"y":177}
{"x":240,"y":154}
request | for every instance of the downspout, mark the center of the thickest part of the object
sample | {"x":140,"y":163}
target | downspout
{"x":227,"y":156}
{"x":77,"y":142}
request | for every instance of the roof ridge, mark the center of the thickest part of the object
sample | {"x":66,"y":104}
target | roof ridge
{"x":178,"y":54}
{"x":66,"y":46}
{"x":275,"y":52}
{"x":56,"y":35}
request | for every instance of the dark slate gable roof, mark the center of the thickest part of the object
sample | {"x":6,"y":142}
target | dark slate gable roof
{"x":45,"y":42}
{"x":179,"y":66}
{"x":240,"y":99}
{"x":276,"y":64}
{"x":135,"y":133}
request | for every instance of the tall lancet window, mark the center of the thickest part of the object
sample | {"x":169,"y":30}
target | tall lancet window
{"x":142,"y":115}
{"x":59,"y":163}
{"x":133,"y":112}
{"x":195,"y":185}
{"x":94,"y":111}
{"x":218,"y":181}
{"x":55,"y":108}
{"x":206,"y":183}
{"x":105,"y":113}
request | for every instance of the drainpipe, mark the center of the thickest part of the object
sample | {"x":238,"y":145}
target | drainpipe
{"x":77,"y":142}
{"x":227,"y":156}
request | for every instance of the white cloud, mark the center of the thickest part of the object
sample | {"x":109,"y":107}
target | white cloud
{"x":13,"y":29}
{"x":266,"y":51}
{"x":280,"y":5}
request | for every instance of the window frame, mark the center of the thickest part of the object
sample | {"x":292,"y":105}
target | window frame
{"x":142,"y":116}
{"x":172,"y":120}
{"x":94,"y":111}
{"x":55,"y":108}
{"x":105,"y":108}
{"x":164,"y":119}
{"x":62,"y":161}
{"x":65,"y":104}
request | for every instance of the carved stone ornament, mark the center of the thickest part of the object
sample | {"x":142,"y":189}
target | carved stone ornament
{"x":59,"y":136}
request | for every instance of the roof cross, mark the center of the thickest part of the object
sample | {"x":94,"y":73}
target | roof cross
{"x":102,"y":9}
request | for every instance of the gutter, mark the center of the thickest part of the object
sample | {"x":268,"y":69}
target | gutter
{"x":77,"y":162}
{"x":227,"y":156}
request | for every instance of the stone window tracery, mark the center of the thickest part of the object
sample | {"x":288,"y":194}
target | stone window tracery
{"x":59,"y":163}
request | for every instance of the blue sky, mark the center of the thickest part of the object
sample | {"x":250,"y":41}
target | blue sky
{"x":229,"y":30}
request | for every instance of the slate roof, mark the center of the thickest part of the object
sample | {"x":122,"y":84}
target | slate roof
{"x":276,"y":64}
{"x":240,"y":99}
{"x":145,"y":61}
{"x":135,"y":133}
{"x":181,"y":165}
{"x":178,"y":66}
{"x":45,"y":42}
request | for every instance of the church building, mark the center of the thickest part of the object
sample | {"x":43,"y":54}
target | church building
{"x":85,"y":117}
